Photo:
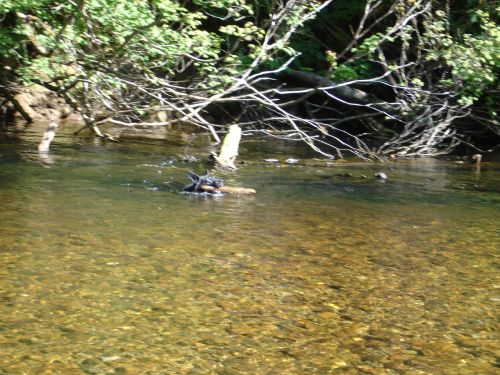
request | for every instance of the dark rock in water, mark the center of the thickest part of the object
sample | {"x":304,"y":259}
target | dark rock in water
{"x":380,"y":176}
{"x":91,"y":366}
{"x":335,"y":286}
{"x":206,"y":179}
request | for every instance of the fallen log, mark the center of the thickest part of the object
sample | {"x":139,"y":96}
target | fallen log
{"x":227,"y":189}
{"x":347,"y":93}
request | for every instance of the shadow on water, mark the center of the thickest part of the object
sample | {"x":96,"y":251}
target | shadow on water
{"x":107,"y":269}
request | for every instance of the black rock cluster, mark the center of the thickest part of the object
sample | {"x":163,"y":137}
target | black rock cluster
{"x":197,"y":181}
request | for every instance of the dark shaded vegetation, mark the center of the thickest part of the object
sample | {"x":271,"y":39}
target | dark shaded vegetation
{"x":374,"y":78}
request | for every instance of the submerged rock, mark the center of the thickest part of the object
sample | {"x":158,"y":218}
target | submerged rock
{"x":111,"y":358}
{"x":197,"y":181}
{"x":380,"y":176}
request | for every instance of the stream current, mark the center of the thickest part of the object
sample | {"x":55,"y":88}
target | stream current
{"x":106,"y":269}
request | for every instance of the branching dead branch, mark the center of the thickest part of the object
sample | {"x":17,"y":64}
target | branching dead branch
{"x":415,"y":117}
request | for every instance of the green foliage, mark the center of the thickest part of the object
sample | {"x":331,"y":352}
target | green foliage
{"x":344,"y":73}
{"x":474,"y":60}
{"x":370,"y":44}
{"x":224,"y":8}
{"x":153,"y":37}
{"x":90,"y":48}
{"x":117,"y":34}
{"x":248,"y":32}
{"x":312,"y":56}
{"x":467,"y":64}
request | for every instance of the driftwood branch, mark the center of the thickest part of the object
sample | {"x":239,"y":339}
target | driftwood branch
{"x":48,"y":136}
{"x":228,"y":189}
{"x":229,"y":148}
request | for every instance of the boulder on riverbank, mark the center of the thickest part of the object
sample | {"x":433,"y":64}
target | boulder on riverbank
{"x":34,"y":102}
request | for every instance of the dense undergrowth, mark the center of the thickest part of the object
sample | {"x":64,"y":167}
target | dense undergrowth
{"x":374,"y":78}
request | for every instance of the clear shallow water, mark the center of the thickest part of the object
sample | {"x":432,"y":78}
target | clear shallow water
{"x":106,"y":269}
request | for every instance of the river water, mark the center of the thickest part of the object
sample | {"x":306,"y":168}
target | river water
{"x":107,"y":269}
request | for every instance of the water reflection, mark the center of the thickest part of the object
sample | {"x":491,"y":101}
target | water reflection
{"x":107,"y":269}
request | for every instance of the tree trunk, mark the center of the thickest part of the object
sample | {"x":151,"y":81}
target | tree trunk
{"x":346,"y":93}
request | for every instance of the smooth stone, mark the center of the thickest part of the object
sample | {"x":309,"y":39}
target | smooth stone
{"x":111,"y":358}
{"x":380,"y":176}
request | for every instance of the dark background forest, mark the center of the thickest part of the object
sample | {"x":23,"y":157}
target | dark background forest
{"x":374,"y":78}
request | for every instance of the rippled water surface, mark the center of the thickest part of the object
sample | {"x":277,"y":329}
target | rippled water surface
{"x":107,"y":269}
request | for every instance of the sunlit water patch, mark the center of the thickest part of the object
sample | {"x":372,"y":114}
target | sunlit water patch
{"x":107,"y":269}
